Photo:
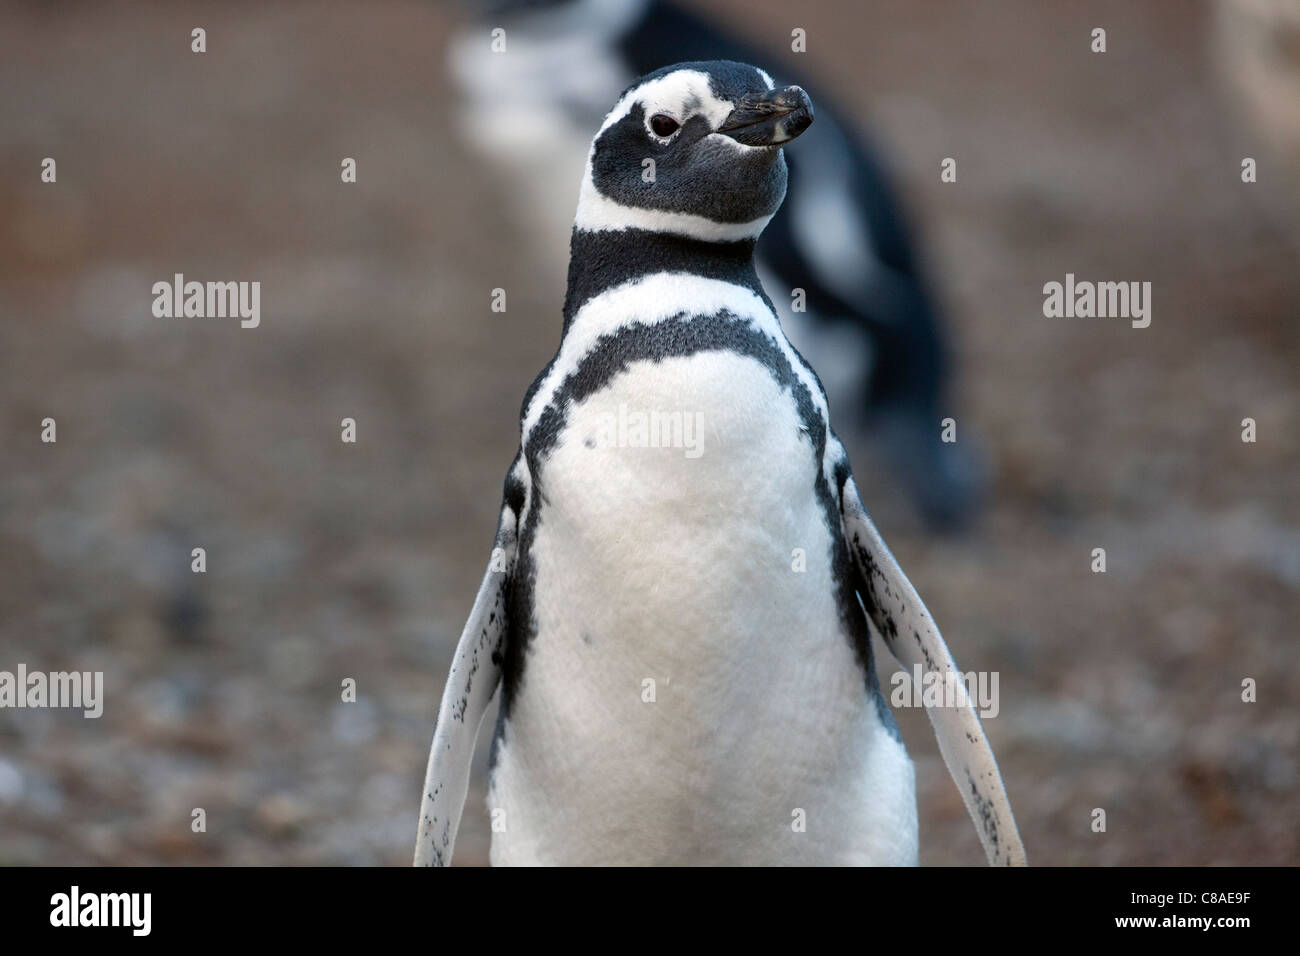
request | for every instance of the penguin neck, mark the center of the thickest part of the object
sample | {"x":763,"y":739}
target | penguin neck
{"x":600,"y":260}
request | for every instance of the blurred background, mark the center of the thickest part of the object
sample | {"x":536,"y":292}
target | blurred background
{"x":328,"y":560}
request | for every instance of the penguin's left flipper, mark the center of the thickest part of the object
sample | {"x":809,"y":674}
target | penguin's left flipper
{"x":910,"y":634}
{"x":475,"y":674}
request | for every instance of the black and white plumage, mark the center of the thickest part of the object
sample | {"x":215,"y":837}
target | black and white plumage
{"x":622,"y":564}
{"x":871,"y":328}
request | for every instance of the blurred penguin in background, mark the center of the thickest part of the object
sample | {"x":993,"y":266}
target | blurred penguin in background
{"x":537,"y":77}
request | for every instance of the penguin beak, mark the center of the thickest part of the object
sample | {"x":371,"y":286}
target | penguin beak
{"x":771,"y":119}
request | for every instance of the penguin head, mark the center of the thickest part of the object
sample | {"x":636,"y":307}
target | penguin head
{"x":693,"y":149}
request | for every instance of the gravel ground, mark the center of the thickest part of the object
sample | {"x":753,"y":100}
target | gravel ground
{"x":328,"y":561}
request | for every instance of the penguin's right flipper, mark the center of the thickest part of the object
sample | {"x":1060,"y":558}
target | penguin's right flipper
{"x":908,"y":630}
{"x":475,"y":674}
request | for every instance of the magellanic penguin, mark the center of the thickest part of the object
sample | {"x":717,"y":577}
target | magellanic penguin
{"x":674,"y":606}
{"x":870,"y":321}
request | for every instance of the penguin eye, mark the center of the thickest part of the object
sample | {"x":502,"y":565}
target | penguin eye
{"x":664,"y":125}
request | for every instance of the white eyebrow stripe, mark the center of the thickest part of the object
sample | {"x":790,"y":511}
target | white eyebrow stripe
{"x":676,"y":88}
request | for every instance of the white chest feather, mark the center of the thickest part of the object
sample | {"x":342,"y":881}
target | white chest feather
{"x":689,"y":694}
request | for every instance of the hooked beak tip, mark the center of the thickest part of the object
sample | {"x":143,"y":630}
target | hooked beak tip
{"x":772,"y":119}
